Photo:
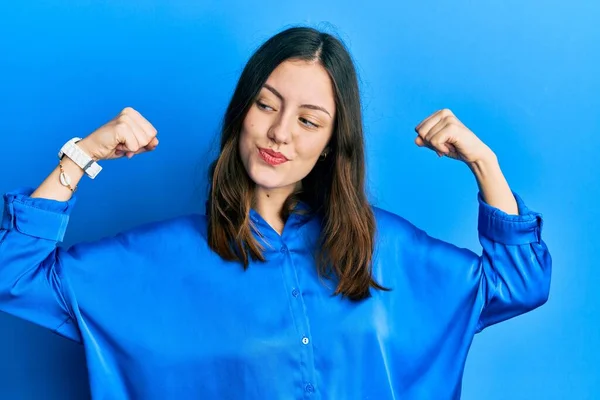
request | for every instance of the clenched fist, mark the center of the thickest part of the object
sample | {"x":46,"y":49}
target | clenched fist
{"x":128,"y":134}
{"x":443,"y":133}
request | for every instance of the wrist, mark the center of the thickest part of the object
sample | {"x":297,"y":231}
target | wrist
{"x":486,"y":165}
{"x":79,"y":151}
{"x":87,"y":148}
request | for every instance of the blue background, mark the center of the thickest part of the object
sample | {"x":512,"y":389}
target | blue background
{"x":524,"y":76}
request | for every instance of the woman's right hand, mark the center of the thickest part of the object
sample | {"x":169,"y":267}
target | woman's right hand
{"x":128,"y":134}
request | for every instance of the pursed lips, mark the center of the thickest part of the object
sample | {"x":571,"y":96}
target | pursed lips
{"x":274,"y":154}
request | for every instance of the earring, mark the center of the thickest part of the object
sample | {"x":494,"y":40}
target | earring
{"x":322,"y":156}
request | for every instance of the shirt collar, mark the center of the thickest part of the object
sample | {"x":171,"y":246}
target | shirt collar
{"x":297,"y":218}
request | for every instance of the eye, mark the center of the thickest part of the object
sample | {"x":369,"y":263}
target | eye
{"x":263,"y":106}
{"x":308,"y":123}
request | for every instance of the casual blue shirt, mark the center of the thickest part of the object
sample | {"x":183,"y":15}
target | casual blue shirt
{"x":161,"y":316}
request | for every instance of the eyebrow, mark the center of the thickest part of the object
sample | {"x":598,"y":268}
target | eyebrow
{"x":310,"y":106}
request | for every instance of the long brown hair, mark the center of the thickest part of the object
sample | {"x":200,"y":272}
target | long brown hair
{"x":334,"y":189}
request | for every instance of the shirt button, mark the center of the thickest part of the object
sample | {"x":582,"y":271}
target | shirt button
{"x":284,"y":249}
{"x":295,"y":292}
{"x":309,"y":388}
{"x":305,"y":340}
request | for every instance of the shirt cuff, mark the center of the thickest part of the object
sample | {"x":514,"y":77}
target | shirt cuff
{"x":37,"y":217}
{"x":508,"y":229}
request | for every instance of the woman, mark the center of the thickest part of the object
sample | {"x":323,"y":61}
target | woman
{"x":292,"y":286}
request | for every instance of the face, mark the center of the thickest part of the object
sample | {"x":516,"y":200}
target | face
{"x":288,"y":126}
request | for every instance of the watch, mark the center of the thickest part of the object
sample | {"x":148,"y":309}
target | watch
{"x":80,"y":157}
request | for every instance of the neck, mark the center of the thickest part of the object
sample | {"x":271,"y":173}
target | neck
{"x":269,"y":203}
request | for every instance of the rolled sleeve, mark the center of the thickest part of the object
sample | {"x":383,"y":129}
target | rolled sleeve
{"x":36,"y":217}
{"x":508,"y":229}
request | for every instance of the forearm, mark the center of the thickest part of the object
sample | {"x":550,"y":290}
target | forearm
{"x":493,"y":185}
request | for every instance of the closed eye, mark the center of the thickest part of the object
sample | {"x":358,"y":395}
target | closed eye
{"x":308,"y":123}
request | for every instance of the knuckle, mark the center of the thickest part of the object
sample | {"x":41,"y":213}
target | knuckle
{"x":150,"y":132}
{"x":446,"y":113}
{"x":127,"y":110}
{"x":122,"y":119}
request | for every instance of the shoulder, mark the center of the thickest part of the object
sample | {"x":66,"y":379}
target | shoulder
{"x":180,"y":228}
{"x":396,"y":231}
{"x":161,"y":236}
{"x":393,"y":225}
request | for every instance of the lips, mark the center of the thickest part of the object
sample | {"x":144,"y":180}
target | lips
{"x":272,"y":157}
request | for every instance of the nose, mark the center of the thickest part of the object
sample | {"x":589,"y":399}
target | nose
{"x":280,"y":132}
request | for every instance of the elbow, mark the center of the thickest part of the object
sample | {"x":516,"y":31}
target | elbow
{"x":538,"y":287}
{"x":526,"y":298}
{"x":526,"y":290}
{"x":538,"y":297}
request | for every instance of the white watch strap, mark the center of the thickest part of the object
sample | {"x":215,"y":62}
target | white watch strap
{"x":80,"y":157}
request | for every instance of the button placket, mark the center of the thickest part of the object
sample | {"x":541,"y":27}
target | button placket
{"x":299,"y":314}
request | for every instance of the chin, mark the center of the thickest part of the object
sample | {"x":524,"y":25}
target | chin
{"x":266,"y":177}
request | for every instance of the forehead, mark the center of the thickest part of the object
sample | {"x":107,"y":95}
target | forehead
{"x":303,"y":82}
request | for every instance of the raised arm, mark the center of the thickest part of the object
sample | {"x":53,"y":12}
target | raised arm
{"x":515,"y":265}
{"x":34,"y":223}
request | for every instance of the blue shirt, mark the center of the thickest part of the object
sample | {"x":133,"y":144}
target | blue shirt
{"x":161,"y":316}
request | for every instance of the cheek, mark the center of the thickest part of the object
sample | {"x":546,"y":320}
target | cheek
{"x":254,"y":124}
{"x":310,"y":148}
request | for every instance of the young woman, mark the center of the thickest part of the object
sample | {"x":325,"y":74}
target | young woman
{"x":292,"y":286}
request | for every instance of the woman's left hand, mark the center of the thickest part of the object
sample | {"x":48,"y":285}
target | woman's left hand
{"x":443,"y":133}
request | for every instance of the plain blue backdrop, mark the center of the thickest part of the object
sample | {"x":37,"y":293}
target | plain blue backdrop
{"x":524,"y":76}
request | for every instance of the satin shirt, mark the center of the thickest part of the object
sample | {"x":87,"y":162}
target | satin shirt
{"x":161,"y":316}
